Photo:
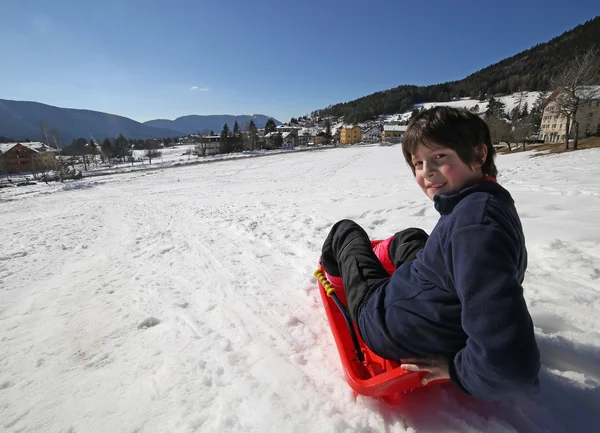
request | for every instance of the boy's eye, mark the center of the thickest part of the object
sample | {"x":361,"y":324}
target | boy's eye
{"x":439,"y":156}
{"x":417,"y":164}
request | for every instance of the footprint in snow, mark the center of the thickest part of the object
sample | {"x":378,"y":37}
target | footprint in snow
{"x":420,"y":213}
{"x":148,"y":323}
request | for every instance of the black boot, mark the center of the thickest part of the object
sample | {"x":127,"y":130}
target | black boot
{"x":347,"y":253}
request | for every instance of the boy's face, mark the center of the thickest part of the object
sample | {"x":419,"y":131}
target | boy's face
{"x":439,"y":170}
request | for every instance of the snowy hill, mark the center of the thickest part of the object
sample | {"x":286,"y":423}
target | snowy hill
{"x":511,"y":101}
{"x":182,"y":300}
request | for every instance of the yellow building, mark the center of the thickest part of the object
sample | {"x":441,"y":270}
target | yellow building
{"x":554,"y":125}
{"x":350,"y":134}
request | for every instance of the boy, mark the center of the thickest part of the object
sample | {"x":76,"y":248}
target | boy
{"x":454,"y":306}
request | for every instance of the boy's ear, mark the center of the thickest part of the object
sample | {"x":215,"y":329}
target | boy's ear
{"x":481,"y":153}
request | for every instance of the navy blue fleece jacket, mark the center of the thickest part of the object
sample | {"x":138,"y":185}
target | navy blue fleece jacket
{"x":462,"y":298}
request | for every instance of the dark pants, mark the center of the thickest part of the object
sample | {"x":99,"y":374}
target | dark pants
{"x":347,"y":253}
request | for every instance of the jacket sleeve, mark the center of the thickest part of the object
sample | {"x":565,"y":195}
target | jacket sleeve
{"x":501,"y":357}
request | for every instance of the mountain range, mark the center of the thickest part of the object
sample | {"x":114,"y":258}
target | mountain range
{"x":19,"y":120}
{"x":199,"y":124}
{"x":531,"y":70}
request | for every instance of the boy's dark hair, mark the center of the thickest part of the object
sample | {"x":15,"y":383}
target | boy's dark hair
{"x":455,"y":128}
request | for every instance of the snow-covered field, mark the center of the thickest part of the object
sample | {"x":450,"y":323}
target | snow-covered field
{"x":181,"y":154}
{"x":182,"y":299}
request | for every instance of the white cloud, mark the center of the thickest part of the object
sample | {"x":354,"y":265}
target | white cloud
{"x":199,"y":89}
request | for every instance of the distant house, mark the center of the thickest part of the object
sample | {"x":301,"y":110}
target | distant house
{"x":306,"y":136}
{"x":210,"y":142}
{"x":288,"y":128}
{"x":393,"y":133}
{"x":26,"y":157}
{"x":320,"y":139}
{"x":288,"y":139}
{"x":554,"y":125}
{"x":371,"y":134}
{"x":350,"y":134}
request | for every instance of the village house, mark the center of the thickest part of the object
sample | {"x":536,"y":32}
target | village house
{"x":210,"y":143}
{"x":393,"y":133}
{"x":554,"y":125}
{"x":306,"y":136}
{"x":371,"y":134}
{"x":320,"y":139}
{"x":26,"y":157}
{"x":289,"y":139}
{"x":288,"y":128}
{"x":349,"y":134}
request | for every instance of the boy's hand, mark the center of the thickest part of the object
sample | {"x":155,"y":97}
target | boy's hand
{"x":436,"y":367}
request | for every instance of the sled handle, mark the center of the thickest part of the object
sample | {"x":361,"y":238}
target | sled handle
{"x":324,"y":282}
{"x":331,"y":293}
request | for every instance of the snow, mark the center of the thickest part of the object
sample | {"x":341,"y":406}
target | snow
{"x":34,"y":145}
{"x":511,"y":101}
{"x":179,"y":155}
{"x":182,"y":299}
{"x":395,"y":128}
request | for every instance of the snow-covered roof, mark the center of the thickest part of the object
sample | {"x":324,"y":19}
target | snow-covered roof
{"x":396,"y":128}
{"x":5,"y":147}
{"x":36,"y":146}
{"x":309,"y":131}
{"x":40,"y":147}
{"x":350,"y":126}
{"x":372,"y":128}
{"x":275,"y":134}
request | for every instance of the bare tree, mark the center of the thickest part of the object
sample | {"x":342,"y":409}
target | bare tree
{"x":200,"y":148}
{"x":522,"y":129}
{"x":3,"y":169}
{"x":152,"y":150}
{"x":56,"y":139}
{"x":92,"y":151}
{"x":42,"y":167}
{"x":575,"y":87}
{"x":500,"y":130}
{"x":44,"y":132}
{"x":60,"y":164}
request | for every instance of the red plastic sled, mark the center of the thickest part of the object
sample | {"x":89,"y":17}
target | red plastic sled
{"x":375,"y":376}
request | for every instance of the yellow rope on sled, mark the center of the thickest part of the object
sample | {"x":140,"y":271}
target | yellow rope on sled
{"x":324,"y":282}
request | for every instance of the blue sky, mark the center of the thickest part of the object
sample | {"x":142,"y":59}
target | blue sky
{"x":149,"y":59}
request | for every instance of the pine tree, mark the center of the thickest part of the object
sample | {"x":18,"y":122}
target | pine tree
{"x":270,"y":126}
{"x":122,"y":150}
{"x":237,"y":140}
{"x":225,"y":141}
{"x":537,"y":110}
{"x":515,"y":114}
{"x":107,"y":150}
{"x":278,"y":140}
{"x":496,"y":108}
{"x":252,"y":135}
{"x":328,"y":136}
